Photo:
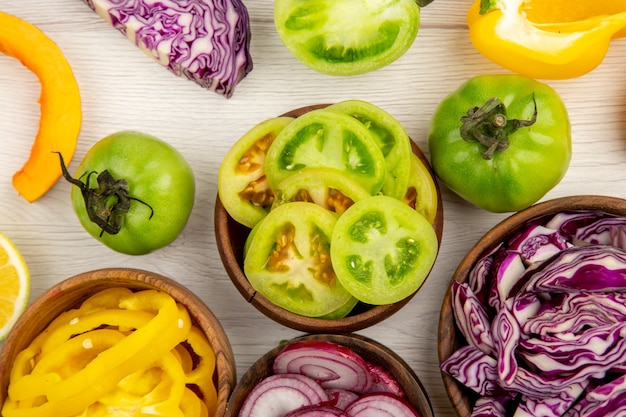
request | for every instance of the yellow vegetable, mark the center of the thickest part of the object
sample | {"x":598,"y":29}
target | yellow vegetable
{"x":61,"y":113}
{"x":120,"y":352}
{"x":546,"y":39}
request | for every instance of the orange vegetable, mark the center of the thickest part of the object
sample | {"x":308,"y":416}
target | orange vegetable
{"x":549,"y":39}
{"x":61,"y":113}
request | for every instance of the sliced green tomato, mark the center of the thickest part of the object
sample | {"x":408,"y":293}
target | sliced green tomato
{"x":342,"y":311}
{"x":241,"y":182}
{"x":421,"y":193}
{"x":288,"y":260}
{"x":347,"y":37}
{"x":324,"y":138}
{"x":390,"y":136}
{"x":325,"y":187}
{"x":382,"y":250}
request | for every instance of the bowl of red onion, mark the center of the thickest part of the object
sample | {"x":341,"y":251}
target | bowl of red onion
{"x":320,"y":375}
{"x":534,"y":319}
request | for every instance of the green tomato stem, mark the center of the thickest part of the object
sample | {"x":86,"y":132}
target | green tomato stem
{"x":489,"y":126}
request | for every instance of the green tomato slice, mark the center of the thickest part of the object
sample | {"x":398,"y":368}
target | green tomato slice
{"x":347,"y":37}
{"x":288,"y":260}
{"x":382,"y":250}
{"x":324,"y":138}
{"x":241,"y":182}
{"x":390,"y":136}
{"x":421,"y":193}
{"x":325,"y":187}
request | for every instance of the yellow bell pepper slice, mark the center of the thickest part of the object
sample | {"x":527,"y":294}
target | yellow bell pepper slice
{"x":76,"y":388}
{"x":202,"y":374}
{"x":569,"y":44}
{"x":61,"y":114}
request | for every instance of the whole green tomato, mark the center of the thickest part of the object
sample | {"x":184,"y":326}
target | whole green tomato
{"x":134,"y":192}
{"x":501,"y":142}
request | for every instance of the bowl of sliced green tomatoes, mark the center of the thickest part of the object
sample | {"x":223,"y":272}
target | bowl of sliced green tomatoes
{"x":328,"y":218}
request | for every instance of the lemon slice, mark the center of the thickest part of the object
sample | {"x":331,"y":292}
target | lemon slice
{"x":14,"y":285}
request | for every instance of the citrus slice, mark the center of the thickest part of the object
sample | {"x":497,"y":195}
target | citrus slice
{"x":14,"y":285}
{"x":550,"y":39}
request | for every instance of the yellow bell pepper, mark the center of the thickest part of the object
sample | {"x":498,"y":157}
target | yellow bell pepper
{"x":202,"y":374}
{"x":502,"y":30}
{"x":61,"y":114}
{"x":118,"y":349}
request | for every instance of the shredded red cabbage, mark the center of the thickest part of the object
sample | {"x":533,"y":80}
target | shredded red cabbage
{"x":544,"y":318}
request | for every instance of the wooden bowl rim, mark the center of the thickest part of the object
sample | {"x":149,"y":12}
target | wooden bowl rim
{"x":78,"y":287}
{"x":449,"y":338}
{"x":354,"y":322}
{"x":371,"y":350}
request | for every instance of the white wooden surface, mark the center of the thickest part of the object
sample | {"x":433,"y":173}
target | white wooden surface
{"x":123,"y":89}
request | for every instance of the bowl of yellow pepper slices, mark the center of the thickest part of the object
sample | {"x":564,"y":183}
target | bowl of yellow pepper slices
{"x":115,"y":341}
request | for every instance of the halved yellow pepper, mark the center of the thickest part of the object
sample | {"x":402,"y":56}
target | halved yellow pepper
{"x":516,"y":36}
{"x":61,"y":113}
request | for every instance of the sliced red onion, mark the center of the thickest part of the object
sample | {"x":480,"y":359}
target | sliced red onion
{"x":341,"y":398}
{"x":384,"y":381}
{"x":318,"y":411}
{"x":331,"y":364}
{"x":277,"y":395}
{"x":381,"y":405}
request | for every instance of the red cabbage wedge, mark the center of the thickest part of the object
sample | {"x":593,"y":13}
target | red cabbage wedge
{"x":206,"y":41}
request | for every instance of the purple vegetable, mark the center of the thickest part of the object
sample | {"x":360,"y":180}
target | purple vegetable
{"x":471,"y":318}
{"x":206,"y":41}
{"x":605,"y":231}
{"x":317,"y":411}
{"x":380,"y":405}
{"x":537,"y":243}
{"x":508,"y":268}
{"x":383,"y":381}
{"x":473,"y":368}
{"x":605,"y":400}
{"x":555,"y":298}
{"x":277,"y":395}
{"x":546,"y":407}
{"x":332,"y":365}
{"x":506,"y":335}
{"x":579,"y":268}
{"x":341,"y":398}
{"x":489,"y":407}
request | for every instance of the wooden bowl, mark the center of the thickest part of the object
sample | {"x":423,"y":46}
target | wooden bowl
{"x":73,"y":291}
{"x":231,"y":237}
{"x":450,"y":339}
{"x":367,"y":348}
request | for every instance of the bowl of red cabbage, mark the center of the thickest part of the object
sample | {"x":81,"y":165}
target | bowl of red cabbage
{"x":534,"y":320}
{"x":330,"y":375}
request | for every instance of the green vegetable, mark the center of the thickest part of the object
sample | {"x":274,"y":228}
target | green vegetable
{"x":241,"y":182}
{"x":347,"y":37}
{"x":501,"y":142}
{"x":382,"y":250}
{"x":324,"y":138}
{"x":326,"y":187}
{"x":288,"y":260}
{"x":134,"y":192}
{"x":392,"y":139}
